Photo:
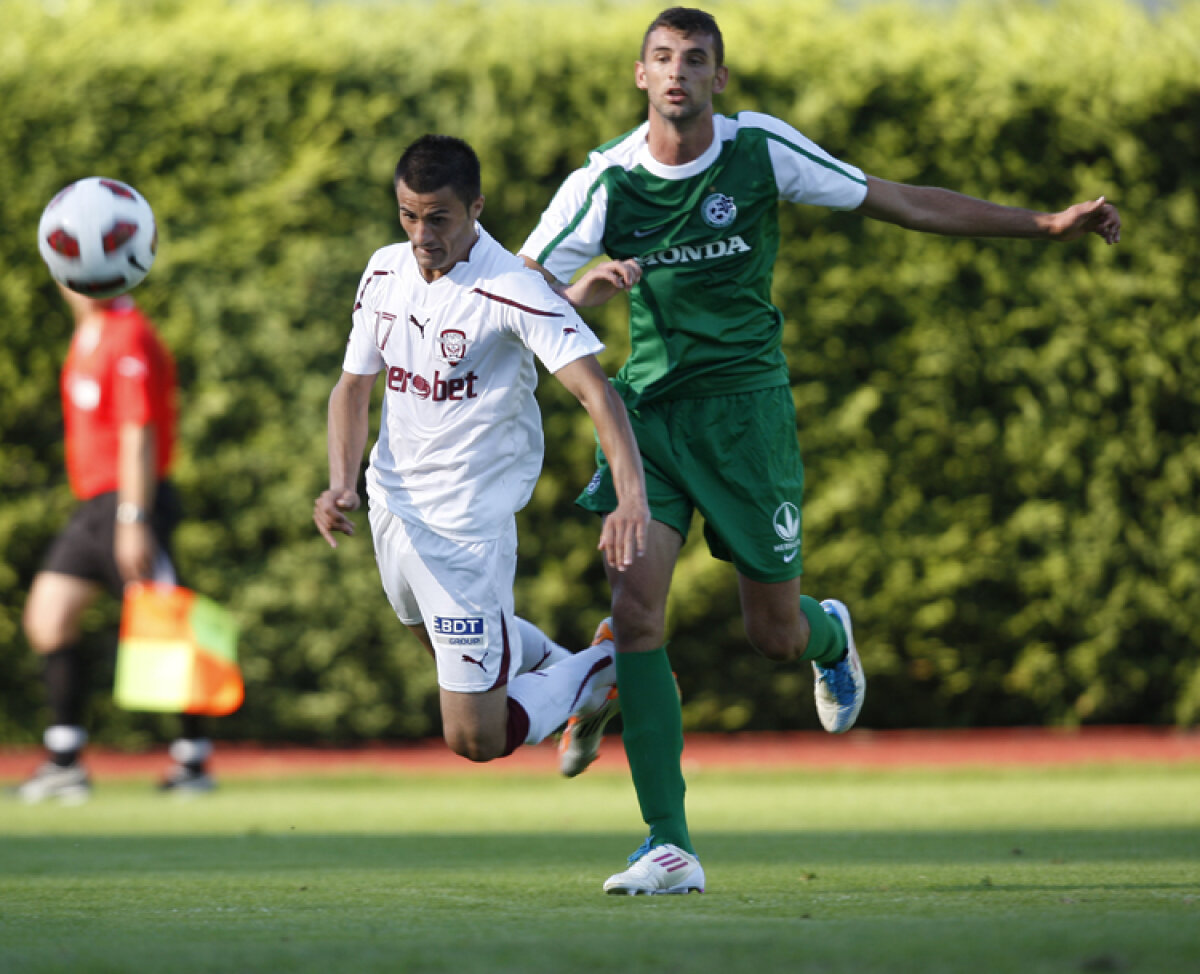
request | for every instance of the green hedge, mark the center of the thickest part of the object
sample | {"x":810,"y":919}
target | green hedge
{"x":1000,"y":436}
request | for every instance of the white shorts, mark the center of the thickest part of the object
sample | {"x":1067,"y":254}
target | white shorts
{"x":462,"y":592}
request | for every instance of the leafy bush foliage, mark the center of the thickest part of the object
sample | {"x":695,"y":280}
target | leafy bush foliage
{"x":1000,"y":436}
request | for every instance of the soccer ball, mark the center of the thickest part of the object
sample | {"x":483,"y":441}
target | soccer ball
{"x":98,"y":237}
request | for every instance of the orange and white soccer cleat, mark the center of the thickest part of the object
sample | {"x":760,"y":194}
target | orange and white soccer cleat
{"x":580,"y":742}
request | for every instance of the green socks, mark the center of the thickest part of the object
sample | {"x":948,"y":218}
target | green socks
{"x":653,"y":733}
{"x":653,"y":739}
{"x":826,"y":639}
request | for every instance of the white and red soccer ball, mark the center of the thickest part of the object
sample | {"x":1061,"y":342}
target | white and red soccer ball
{"x":98,"y":237}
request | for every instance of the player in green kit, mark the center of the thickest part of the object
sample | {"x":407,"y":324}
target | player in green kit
{"x":686,"y":207}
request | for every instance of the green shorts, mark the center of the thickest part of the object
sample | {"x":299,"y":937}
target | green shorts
{"x":736,"y":460}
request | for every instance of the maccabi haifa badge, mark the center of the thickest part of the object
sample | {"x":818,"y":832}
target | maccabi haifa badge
{"x":718,"y":210}
{"x":453,"y":344}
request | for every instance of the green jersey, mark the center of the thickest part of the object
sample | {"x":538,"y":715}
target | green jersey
{"x":706,"y":235}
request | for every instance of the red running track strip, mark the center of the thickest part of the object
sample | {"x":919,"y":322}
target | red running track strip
{"x":859,"y":749}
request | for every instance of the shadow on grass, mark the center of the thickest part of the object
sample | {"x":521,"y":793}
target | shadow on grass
{"x":253,"y":851}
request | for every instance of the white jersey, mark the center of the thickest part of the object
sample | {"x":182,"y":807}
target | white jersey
{"x":460,"y":443}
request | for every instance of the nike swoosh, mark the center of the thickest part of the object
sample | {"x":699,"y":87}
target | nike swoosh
{"x":647,"y":231}
{"x":789,"y":558}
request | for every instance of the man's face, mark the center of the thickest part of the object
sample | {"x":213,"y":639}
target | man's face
{"x":680,"y":74}
{"x":440,"y":227}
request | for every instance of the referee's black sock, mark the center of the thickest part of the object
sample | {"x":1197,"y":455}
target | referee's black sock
{"x":191,"y":749}
{"x":64,"y":675}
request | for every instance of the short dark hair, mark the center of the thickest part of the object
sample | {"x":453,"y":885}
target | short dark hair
{"x":688,"y":21}
{"x":434,"y":161}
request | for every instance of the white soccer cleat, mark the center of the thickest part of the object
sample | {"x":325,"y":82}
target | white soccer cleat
{"x":840,"y":689}
{"x":579,"y":745}
{"x":69,"y":785}
{"x":662,"y":869}
{"x":580,"y":742}
{"x":183,"y":780}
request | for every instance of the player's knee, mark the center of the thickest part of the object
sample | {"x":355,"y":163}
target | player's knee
{"x":639,"y":627}
{"x":474,"y":746}
{"x":777,"y":643}
{"x":44,"y":635}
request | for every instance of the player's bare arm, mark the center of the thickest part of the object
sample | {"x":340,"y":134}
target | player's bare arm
{"x":555,"y":284}
{"x":134,"y":547}
{"x":596,"y":286}
{"x":934,"y":210}
{"x":623,"y":537}
{"x":349,"y":419}
{"x":602,"y":282}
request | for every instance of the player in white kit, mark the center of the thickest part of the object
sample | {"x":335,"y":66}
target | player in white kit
{"x":453,"y":321}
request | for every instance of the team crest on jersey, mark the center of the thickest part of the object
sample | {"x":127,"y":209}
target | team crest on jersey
{"x":453,"y":345}
{"x":718,"y":210}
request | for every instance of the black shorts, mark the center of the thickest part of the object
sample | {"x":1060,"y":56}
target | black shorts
{"x":84,"y":549}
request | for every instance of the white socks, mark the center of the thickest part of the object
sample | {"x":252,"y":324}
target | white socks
{"x":577,"y":684}
{"x":190,"y":750}
{"x":538,"y":651}
{"x":64,"y":738}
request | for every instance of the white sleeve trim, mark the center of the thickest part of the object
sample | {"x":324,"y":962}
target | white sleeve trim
{"x":571,"y":230}
{"x":804,"y":172}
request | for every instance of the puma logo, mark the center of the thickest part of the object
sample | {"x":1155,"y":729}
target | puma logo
{"x":477,"y":662}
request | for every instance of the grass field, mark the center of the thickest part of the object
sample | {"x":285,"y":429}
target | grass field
{"x":1086,"y":869}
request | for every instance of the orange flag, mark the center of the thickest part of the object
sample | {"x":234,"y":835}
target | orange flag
{"x":177,"y":653}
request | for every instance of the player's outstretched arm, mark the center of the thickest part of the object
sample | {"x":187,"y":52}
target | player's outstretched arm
{"x":934,"y":210}
{"x":596,"y":286}
{"x":623,"y":537}
{"x":349,"y":416}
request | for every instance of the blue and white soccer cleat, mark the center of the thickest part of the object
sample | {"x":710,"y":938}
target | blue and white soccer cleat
{"x":840,"y":689}
{"x":658,"y":870}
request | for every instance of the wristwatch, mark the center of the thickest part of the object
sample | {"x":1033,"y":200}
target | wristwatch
{"x":129,"y":513}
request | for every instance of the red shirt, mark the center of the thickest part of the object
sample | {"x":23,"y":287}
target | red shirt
{"x":120,"y":373}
